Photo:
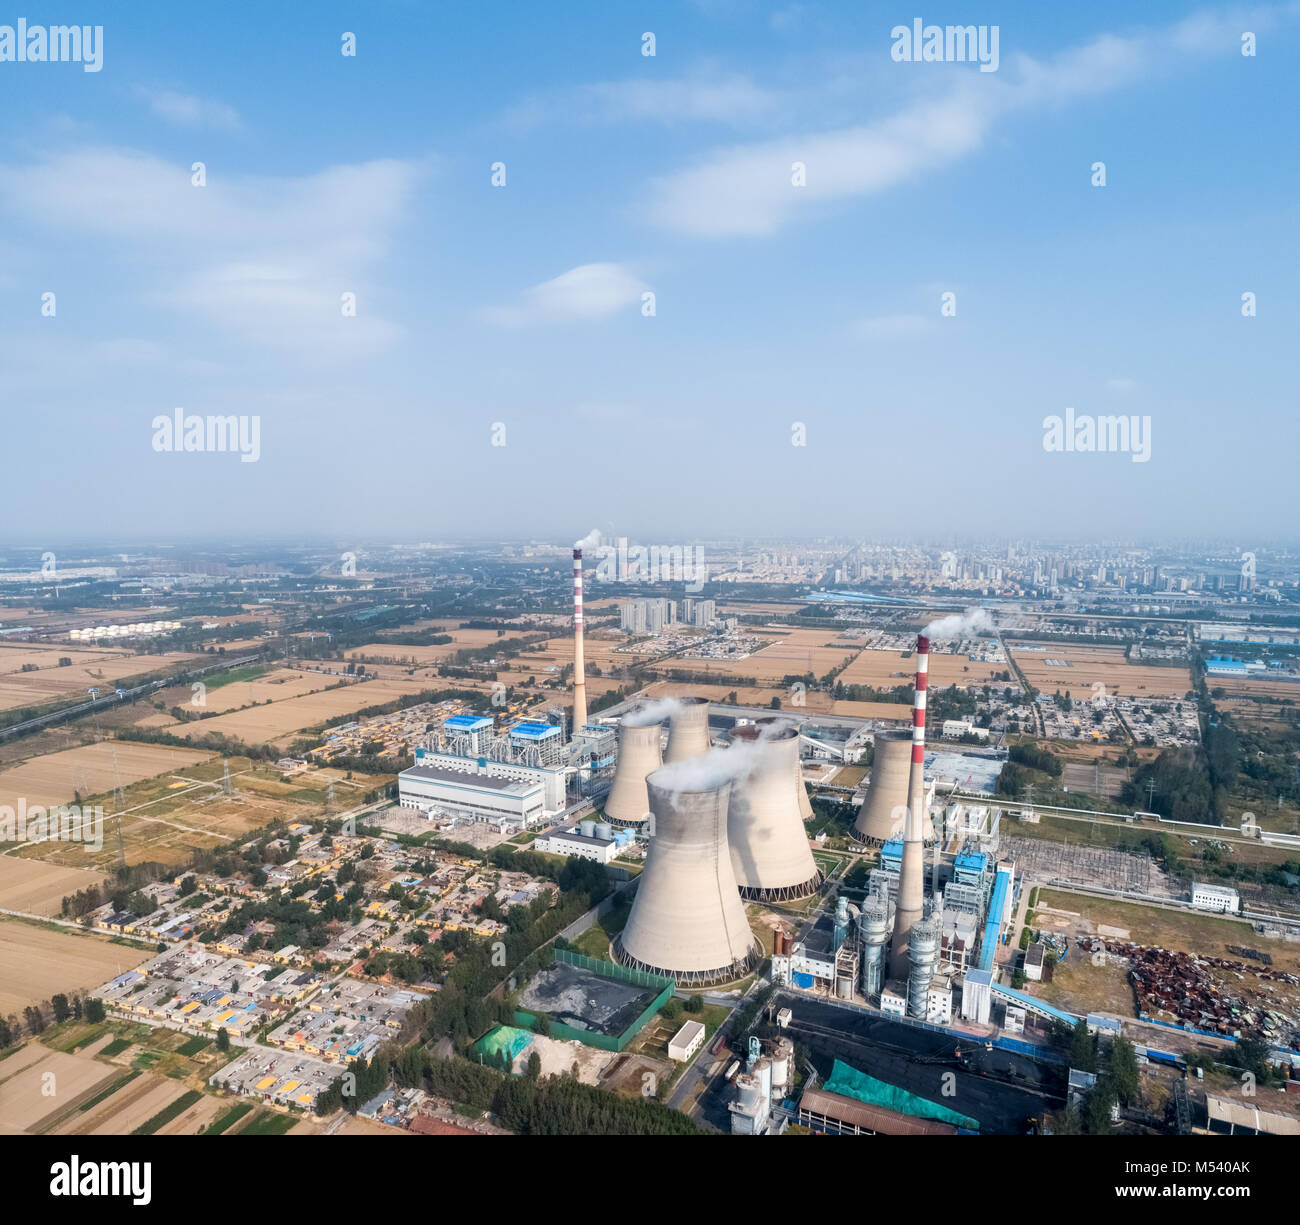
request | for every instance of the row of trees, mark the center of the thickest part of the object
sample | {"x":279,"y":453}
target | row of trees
{"x":57,"y":1009}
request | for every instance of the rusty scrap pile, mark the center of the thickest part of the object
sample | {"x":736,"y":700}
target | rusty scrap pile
{"x":1183,"y":986}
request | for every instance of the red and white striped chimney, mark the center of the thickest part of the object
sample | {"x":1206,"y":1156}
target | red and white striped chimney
{"x":911,"y":881}
{"x":579,"y":665}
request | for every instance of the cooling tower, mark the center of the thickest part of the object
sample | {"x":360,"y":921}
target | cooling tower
{"x":579,"y":664}
{"x":911,"y":882}
{"x":805,"y":805}
{"x":628,"y":802}
{"x":886,"y":802}
{"x":687,"y":919}
{"x":688,"y":730}
{"x":770,"y":855}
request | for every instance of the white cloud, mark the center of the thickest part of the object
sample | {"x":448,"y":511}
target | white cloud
{"x":891,"y":327}
{"x":188,"y":110}
{"x":586,"y":293}
{"x":129,"y":351}
{"x":265,"y":259}
{"x":746,"y":189}
{"x":704,"y":96}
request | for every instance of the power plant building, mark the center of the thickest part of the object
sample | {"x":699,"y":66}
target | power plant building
{"x":438,"y":792}
{"x":473,"y":732}
{"x":551,"y":779}
{"x":577,"y":844}
{"x":544,"y":741}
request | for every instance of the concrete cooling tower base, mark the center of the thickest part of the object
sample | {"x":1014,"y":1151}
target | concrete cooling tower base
{"x":738,"y":969}
{"x":790,"y":893}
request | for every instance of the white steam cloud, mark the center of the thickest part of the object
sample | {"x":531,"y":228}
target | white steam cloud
{"x":655,"y":711}
{"x":972,"y":621}
{"x":710,"y":770}
{"x":590,"y":541}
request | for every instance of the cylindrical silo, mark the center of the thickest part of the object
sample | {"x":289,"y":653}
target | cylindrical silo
{"x":748,"y":1092}
{"x":883,"y":811}
{"x":782,"y":1061}
{"x":604,"y":829}
{"x":688,"y":729}
{"x":923,"y":950}
{"x":587,"y":828}
{"x":873,"y":925}
{"x":628,"y":802}
{"x":687,"y":918}
{"x":770,"y":855}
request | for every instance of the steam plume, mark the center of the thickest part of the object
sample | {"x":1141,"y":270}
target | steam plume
{"x":709,"y":770}
{"x":654,"y":711}
{"x":972,"y":621}
{"x":590,"y":541}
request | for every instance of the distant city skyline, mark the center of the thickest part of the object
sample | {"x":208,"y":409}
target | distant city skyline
{"x":801,"y":206}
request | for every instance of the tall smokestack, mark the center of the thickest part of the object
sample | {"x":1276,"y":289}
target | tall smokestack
{"x":579,"y":666}
{"x":911,"y":880}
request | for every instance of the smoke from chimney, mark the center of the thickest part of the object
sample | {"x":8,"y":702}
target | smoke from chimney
{"x":959,"y":625}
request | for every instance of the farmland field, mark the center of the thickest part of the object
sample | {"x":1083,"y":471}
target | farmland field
{"x":90,"y":770}
{"x":52,"y":683}
{"x":889,"y":669}
{"x":1088,"y":665}
{"x":262,"y":724}
{"x":792,"y":654}
{"x":274,"y":686}
{"x":1256,"y":687}
{"x":462,"y":640}
{"x":24,"y":1085}
{"x":814,"y":702}
{"x":37,"y":887}
{"x":39,"y":962}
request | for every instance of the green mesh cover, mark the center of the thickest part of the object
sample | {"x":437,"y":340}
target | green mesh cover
{"x":503,"y":1040}
{"x":847,"y":1081}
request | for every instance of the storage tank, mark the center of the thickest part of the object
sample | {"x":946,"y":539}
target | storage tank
{"x":688,"y":730}
{"x":587,"y":828}
{"x":628,"y":802}
{"x":782,"y":1060}
{"x":748,"y":1092}
{"x":762,"y":1072}
{"x":873,"y":925}
{"x":770,"y":855}
{"x":923,"y":950}
{"x":604,"y":829}
{"x":687,"y":919}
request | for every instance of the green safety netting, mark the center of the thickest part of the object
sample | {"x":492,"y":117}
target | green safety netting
{"x":503,"y":1040}
{"x":847,"y":1081}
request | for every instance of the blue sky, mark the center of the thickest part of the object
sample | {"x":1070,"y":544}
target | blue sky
{"x":670,"y":174}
